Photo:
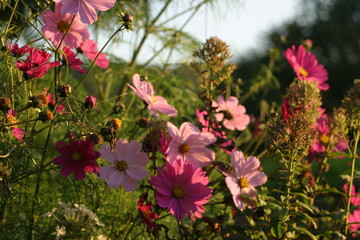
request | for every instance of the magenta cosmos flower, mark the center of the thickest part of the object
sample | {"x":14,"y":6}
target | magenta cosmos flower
{"x":244,"y":179}
{"x":181,"y":189}
{"x":319,"y":149}
{"x":189,"y":144}
{"x":72,"y":61}
{"x":230,"y":113}
{"x":353,"y":200}
{"x":90,"y":50}
{"x":17,"y":51}
{"x":78,"y":157}
{"x":85,"y":8}
{"x":56,"y":25}
{"x":10,"y":118}
{"x":354,"y":217}
{"x":36,"y":65}
{"x":306,"y":66}
{"x":155,"y":103}
{"x":127,"y":164}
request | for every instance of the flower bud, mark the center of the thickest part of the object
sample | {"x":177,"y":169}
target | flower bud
{"x":46,"y":116}
{"x":90,"y":102}
{"x":5,"y":104}
{"x":118,"y":108}
{"x":63,"y":90}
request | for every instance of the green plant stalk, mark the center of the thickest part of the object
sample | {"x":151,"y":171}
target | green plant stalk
{"x":37,"y":187}
{"x":353,"y":160}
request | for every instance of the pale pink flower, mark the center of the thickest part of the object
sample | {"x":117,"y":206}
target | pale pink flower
{"x":90,"y":50}
{"x":189,"y":144}
{"x":56,"y":25}
{"x":85,"y":8}
{"x":306,"y":66}
{"x":231,"y":114}
{"x":155,"y":103}
{"x":72,"y":61}
{"x":181,"y":189}
{"x":127,"y":164}
{"x":243,"y":180}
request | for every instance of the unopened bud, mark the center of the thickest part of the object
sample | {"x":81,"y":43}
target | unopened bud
{"x":90,"y":102}
{"x":63,"y":90}
{"x":143,"y":122}
{"x":128,"y":18}
{"x":118,"y":108}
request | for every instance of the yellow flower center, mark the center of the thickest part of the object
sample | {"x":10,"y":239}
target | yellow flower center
{"x":303,"y":72}
{"x":324,"y":139}
{"x":63,"y":26}
{"x":184,"y":148}
{"x":122,"y":165}
{"x":178,"y":191}
{"x":153,"y":99}
{"x":76,"y":157}
{"x":243,"y":182}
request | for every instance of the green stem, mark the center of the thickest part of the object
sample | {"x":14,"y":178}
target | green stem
{"x":353,"y":160}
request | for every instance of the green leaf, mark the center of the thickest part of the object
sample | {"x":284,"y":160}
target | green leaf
{"x":304,"y":231}
{"x":307,"y":217}
{"x":278,"y":229}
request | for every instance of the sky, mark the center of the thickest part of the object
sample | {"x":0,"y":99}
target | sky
{"x":241,"y":25}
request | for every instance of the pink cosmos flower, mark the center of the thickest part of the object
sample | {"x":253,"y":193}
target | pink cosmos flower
{"x":164,"y":143}
{"x":155,"y":103}
{"x":10,"y":118}
{"x":56,"y":25}
{"x":244,"y":179}
{"x":232,"y":114}
{"x":17,"y":51}
{"x":353,"y":200}
{"x":189,"y":144}
{"x":181,"y":189}
{"x":36,"y":64}
{"x":319,"y":149}
{"x":72,"y":61}
{"x":306,"y":66}
{"x":127,"y":164}
{"x":354,"y":217}
{"x":225,"y":144}
{"x":85,"y":8}
{"x":89,"y":49}
{"x":77,"y":156}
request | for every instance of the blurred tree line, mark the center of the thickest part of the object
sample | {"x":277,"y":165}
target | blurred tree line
{"x":334,"y":28}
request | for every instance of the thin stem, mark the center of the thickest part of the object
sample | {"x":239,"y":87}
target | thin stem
{"x":353,"y":160}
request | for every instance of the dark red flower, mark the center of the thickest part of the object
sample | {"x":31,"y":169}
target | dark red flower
{"x":19,"y":51}
{"x":72,"y":61}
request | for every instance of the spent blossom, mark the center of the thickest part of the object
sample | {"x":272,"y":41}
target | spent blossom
{"x":182,"y":189}
{"x":57,"y":25}
{"x":306,"y":66}
{"x":10,"y":118}
{"x":189,"y":144}
{"x":145,"y":91}
{"x":127,"y":166}
{"x":85,"y":8}
{"x":243,"y":180}
{"x":231,"y":113}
